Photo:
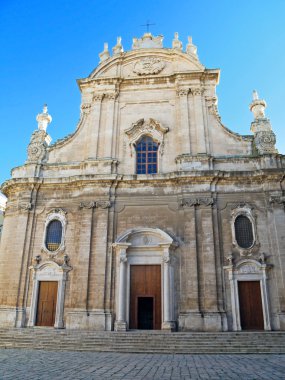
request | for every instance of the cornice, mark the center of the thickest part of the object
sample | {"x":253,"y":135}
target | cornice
{"x":202,"y":75}
{"x":207,"y":176}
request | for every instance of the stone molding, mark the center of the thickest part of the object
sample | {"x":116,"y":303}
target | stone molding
{"x":190,"y":202}
{"x":60,"y":215}
{"x":148,"y":127}
{"x":248,"y":270}
{"x":95,"y":204}
{"x":49,"y":271}
{"x":248,"y":211}
{"x":158,"y":252}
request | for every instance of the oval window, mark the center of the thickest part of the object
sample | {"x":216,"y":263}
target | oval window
{"x":53,"y":235}
{"x":243,"y":231}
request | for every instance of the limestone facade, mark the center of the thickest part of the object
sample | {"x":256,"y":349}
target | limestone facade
{"x":2,"y":210}
{"x":181,"y":218}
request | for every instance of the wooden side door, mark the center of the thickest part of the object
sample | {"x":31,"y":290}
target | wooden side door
{"x":145,"y":282}
{"x":47,"y":303}
{"x":250,"y":305}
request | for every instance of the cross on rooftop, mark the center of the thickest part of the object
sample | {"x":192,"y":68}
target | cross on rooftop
{"x":147,"y":25}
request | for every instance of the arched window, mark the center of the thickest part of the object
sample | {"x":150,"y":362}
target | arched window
{"x":53,"y":235}
{"x":243,"y":231}
{"x":146,"y":156}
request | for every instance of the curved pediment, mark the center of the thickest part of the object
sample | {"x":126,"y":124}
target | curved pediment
{"x":142,"y":237}
{"x":145,"y":62}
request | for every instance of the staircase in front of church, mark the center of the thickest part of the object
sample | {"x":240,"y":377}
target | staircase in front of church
{"x":144,"y":341}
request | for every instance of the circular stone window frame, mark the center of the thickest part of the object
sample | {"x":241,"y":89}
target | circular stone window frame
{"x":247,"y":212}
{"x":60,"y":215}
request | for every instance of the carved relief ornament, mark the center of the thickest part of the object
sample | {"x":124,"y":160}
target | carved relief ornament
{"x":277,"y":200}
{"x":148,"y":127}
{"x":149,"y":66}
{"x":37,"y":146}
{"x":25,"y":206}
{"x":86,"y":107}
{"x":182,"y":91}
{"x":190,"y":202}
{"x":95,"y":204}
{"x":196,"y":91}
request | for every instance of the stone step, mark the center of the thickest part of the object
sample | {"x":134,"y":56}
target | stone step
{"x":144,"y":342}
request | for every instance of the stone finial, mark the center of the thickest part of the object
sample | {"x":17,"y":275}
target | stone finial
{"x":43,"y":119}
{"x":190,"y":48}
{"x":176,"y":44}
{"x":264,"y":137}
{"x":257,"y":106}
{"x":118,"y":48}
{"x":105,"y":53}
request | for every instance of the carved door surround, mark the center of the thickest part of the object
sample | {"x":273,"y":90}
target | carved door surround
{"x":144,"y":246}
{"x":248,"y":270}
{"x":49,"y":271}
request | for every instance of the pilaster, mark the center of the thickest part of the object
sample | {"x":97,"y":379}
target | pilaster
{"x":184,"y":130}
{"x":199,"y":120}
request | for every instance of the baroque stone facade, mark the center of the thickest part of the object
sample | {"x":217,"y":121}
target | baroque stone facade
{"x":194,"y":242}
{"x":2,"y":210}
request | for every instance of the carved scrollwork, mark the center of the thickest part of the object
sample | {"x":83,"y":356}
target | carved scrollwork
{"x":111,"y":95}
{"x":87,"y":205}
{"x":149,"y":66}
{"x":25,"y":206}
{"x":265,"y":142}
{"x":213,"y":107}
{"x":95,"y":204}
{"x":182,"y":91}
{"x":197,"y":91}
{"x":37,"y":146}
{"x":123,"y":256}
{"x":149,"y":127}
{"x":277,"y":199}
{"x":98,"y":97}
{"x":190,"y":202}
{"x":86,"y":107}
{"x":103,"y":204}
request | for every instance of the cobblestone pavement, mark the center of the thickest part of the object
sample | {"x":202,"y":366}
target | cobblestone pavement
{"x":35,"y":364}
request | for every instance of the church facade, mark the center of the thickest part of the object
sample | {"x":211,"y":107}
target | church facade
{"x":152,"y":214}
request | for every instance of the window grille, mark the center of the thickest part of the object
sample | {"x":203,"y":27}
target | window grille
{"x":243,"y":231}
{"x":146,"y":156}
{"x":53,"y":235}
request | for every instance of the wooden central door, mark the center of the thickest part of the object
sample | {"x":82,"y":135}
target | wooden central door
{"x":250,"y":305}
{"x":47,"y":303}
{"x":145,"y":297}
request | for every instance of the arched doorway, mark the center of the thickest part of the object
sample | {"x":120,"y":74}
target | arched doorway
{"x":145,"y":280}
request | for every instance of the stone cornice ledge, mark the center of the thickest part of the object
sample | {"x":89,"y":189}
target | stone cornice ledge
{"x":195,"y":176}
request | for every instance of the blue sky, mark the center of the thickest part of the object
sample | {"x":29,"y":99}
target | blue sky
{"x":46,"y":46}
